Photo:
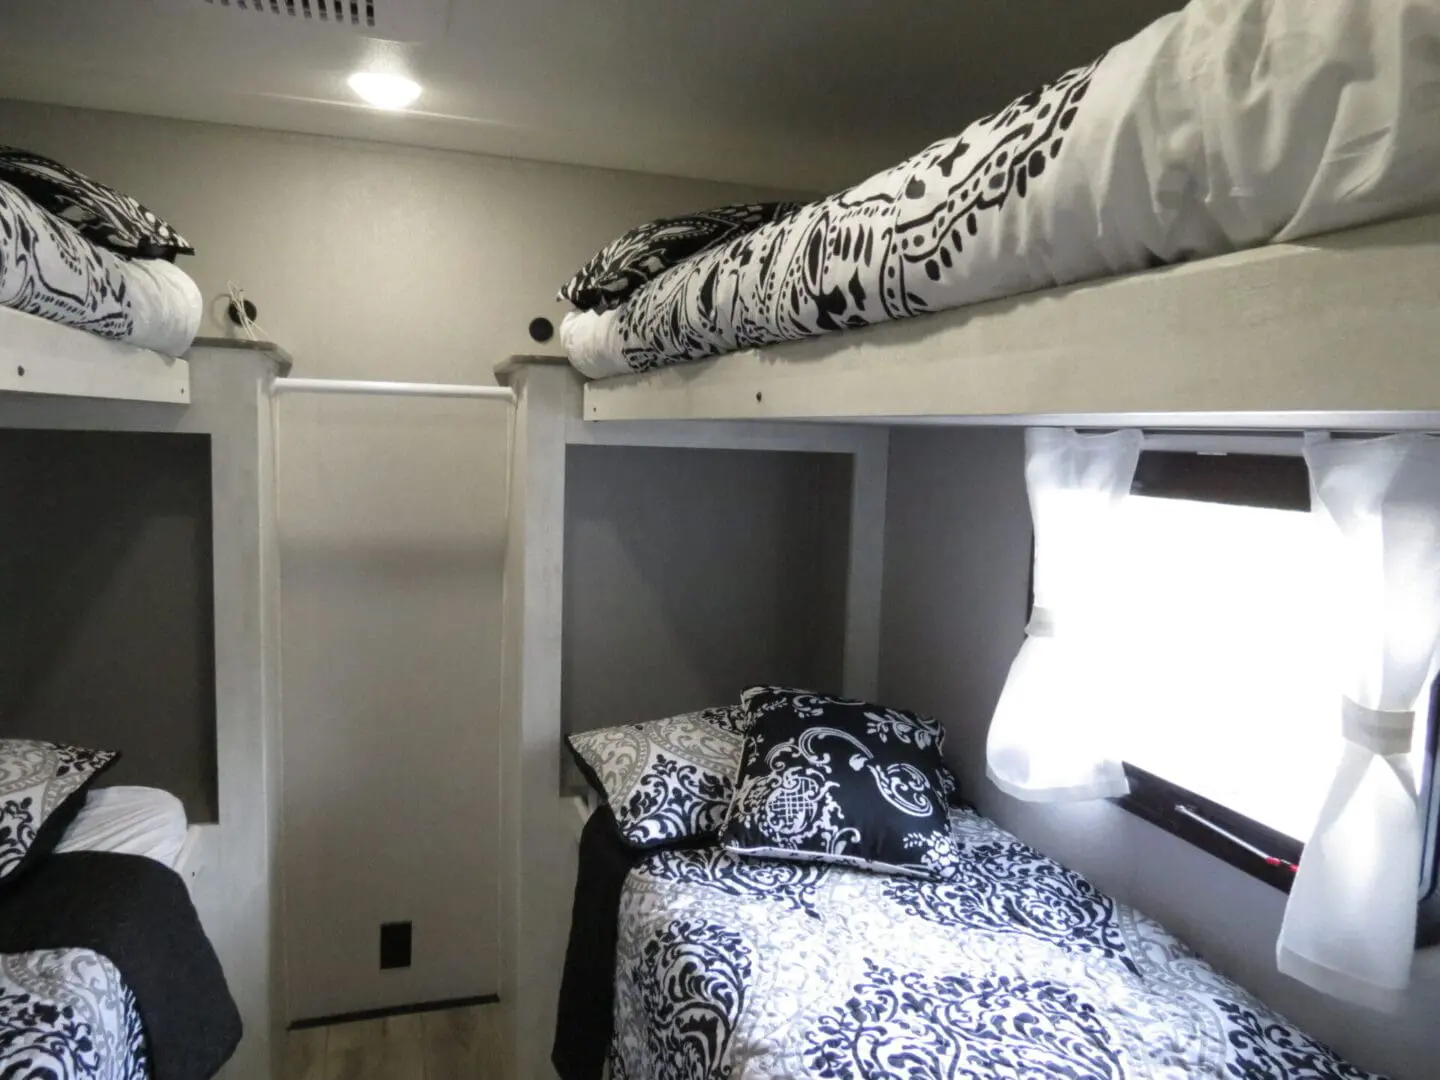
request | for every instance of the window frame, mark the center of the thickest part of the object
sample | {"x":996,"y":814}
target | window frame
{"x":1214,"y":474}
{"x":1158,"y":800}
{"x":1155,"y":799}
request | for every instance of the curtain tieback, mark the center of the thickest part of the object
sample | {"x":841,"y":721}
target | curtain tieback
{"x":1377,"y":730}
{"x":1042,"y":622}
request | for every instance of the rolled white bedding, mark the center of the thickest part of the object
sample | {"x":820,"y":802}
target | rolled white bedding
{"x":129,"y":821}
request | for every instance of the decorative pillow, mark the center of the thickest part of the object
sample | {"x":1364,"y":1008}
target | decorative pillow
{"x":625,"y":264}
{"x":825,"y":779}
{"x":666,"y":781}
{"x":42,"y":788}
{"x":106,"y":217}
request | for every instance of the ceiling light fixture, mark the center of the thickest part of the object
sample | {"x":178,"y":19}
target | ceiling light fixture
{"x":384,"y":90}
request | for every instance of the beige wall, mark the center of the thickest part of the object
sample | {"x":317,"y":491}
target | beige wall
{"x":957,"y":563}
{"x":378,"y":262}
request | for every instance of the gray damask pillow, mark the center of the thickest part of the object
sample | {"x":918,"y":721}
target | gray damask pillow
{"x":666,"y":781}
{"x":42,"y":788}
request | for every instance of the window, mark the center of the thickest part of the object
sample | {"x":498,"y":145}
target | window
{"x":1219,"y":615}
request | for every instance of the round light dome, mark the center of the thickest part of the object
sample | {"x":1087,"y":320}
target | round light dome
{"x":384,"y":90}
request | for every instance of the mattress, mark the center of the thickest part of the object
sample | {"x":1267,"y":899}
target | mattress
{"x":758,"y":970}
{"x":1227,"y":125}
{"x":129,"y":821}
{"x":48,"y":268}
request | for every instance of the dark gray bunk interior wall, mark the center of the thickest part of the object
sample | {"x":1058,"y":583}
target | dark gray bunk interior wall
{"x":107,"y":602}
{"x":691,"y":574}
{"x":956,"y":586}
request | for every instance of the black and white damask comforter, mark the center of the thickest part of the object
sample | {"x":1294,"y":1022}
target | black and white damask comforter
{"x":66,"y":1014}
{"x":48,"y":269}
{"x":756,"y":970}
{"x":1226,"y":125}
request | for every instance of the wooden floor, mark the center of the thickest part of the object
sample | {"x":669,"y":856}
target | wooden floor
{"x":458,"y":1044}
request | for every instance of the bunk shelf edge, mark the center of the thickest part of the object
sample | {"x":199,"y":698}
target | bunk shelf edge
{"x":42,"y":357}
{"x":1340,"y":330}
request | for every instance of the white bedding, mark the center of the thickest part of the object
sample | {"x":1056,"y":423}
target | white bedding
{"x":1229,"y":124}
{"x":48,"y":269}
{"x":129,"y":821}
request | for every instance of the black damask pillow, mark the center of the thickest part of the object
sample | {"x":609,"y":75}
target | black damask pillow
{"x":625,"y":264}
{"x":825,"y":779}
{"x":42,"y":788}
{"x":666,"y":781}
{"x":106,"y":217}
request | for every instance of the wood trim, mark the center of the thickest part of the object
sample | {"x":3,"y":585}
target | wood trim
{"x":865,"y":573}
{"x":724,"y":435}
{"x":536,"y":841}
{"x":38,"y":356}
{"x":394,"y":1010}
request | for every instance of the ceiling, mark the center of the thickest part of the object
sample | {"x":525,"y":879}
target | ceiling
{"x":808,"y":95}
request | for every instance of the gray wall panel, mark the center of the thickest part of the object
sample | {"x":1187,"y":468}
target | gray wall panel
{"x":107,"y":602}
{"x":691,"y":574}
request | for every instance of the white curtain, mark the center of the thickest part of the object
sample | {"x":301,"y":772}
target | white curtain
{"x":1349,"y":928}
{"x":1050,"y":738}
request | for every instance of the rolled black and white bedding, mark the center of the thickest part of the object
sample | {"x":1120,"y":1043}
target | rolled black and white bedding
{"x":50,"y":269}
{"x":1226,"y":125}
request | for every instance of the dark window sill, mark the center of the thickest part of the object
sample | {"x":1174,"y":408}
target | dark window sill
{"x":1157,"y":801}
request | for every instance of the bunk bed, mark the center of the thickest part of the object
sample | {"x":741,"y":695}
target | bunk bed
{"x":543,"y":826}
{"x":1227,"y":225}
{"x":61,"y":378}
{"x":1333,"y":331}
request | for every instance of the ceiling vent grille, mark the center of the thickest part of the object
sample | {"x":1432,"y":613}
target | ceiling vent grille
{"x":356,"y":14}
{"x":389,"y":20}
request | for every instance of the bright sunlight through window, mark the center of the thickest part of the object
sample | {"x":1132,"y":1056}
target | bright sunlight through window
{"x":1221,"y":616}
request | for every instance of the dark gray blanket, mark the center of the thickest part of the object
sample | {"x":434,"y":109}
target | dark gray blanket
{"x":137,"y":914}
{"x":585,"y":1022}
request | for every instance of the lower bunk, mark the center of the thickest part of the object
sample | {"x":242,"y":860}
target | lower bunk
{"x":693,"y":962}
{"x":105,"y":970}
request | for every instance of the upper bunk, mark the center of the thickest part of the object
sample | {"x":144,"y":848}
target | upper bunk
{"x":1340,"y":331}
{"x":1280,"y":158}
{"x":92,"y":304}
